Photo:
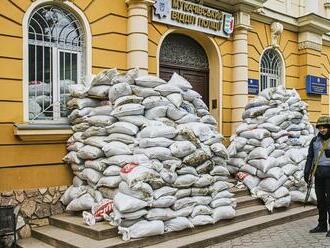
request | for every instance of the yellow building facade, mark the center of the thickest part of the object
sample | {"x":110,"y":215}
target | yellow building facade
{"x":122,"y":34}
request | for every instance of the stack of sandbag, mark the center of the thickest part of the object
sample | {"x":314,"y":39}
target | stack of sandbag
{"x":268,"y":152}
{"x":159,"y":156}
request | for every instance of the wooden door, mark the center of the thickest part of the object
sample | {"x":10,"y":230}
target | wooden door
{"x":199,"y":79}
{"x":183,"y":55}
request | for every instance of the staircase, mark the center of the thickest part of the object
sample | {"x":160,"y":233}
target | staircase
{"x":67,"y":231}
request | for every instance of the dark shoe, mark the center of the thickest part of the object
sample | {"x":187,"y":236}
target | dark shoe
{"x":328,"y":234}
{"x":319,"y":229}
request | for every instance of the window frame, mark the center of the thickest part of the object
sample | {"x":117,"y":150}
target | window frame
{"x":271,"y":76}
{"x":87,"y":55}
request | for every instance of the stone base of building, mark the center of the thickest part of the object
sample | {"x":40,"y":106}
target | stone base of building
{"x":32,"y":208}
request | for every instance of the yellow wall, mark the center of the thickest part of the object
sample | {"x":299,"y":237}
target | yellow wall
{"x":298,"y":64}
{"x":33,"y":165}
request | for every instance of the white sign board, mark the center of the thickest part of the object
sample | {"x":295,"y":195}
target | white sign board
{"x":193,"y":16}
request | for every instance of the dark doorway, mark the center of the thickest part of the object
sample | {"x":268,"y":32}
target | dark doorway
{"x":183,"y":55}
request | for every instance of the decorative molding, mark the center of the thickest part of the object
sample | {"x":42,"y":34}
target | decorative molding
{"x":147,"y":2}
{"x":313,"y":23}
{"x":276,"y":30}
{"x":309,"y":45}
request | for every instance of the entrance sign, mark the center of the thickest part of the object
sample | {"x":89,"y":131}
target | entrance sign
{"x":316,"y":85}
{"x":193,"y":16}
{"x":253,"y":86}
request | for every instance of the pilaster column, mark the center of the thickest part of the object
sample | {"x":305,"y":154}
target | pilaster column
{"x":310,"y":45}
{"x":239,"y":87}
{"x":137,"y":38}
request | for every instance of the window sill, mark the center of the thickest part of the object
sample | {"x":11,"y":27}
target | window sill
{"x":41,"y":133}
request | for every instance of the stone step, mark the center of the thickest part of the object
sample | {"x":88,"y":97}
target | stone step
{"x":32,"y":243}
{"x":74,"y":223}
{"x":224,"y":233}
{"x":188,"y":238}
{"x":246,"y":201}
{"x":239,"y":192}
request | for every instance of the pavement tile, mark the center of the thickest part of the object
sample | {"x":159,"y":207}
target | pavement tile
{"x":294,"y":234}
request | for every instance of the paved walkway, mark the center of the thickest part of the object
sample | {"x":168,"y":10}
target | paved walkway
{"x":290,"y":235}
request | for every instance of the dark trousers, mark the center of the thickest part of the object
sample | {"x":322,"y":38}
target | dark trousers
{"x":322,"y":190}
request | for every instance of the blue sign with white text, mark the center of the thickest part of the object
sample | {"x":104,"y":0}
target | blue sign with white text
{"x":253,"y":86}
{"x":316,"y":85}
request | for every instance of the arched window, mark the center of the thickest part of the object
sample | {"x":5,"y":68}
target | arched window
{"x":55,"y":61}
{"x":270,"y":69}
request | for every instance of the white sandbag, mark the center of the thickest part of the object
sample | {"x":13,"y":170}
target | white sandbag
{"x":137,"y":120}
{"x":175,"y":113}
{"x":89,"y":152}
{"x":156,"y":112}
{"x":142,"y":191}
{"x":128,"y":109}
{"x":223,"y":213}
{"x":97,"y":141}
{"x":200,"y":191}
{"x":297,"y":155}
{"x":204,"y":181}
{"x":155,"y":101}
{"x":187,"y":170}
{"x":200,"y":220}
{"x":177,"y":224}
{"x":160,"y":153}
{"x":218,"y":186}
{"x":264,"y":164}
{"x":201,"y":210}
{"x":161,"y":131}
{"x":144,"y":92}
{"x":199,"y":103}
{"x":168,"y":176}
{"x":201,"y":130}
{"x":222,"y":194}
{"x":256,"y":134}
{"x":185,"y":181}
{"x":258,"y":153}
{"x":219,"y":150}
{"x":223,"y":202}
{"x":124,"y":138}
{"x":282,"y":202}
{"x":202,"y":200}
{"x":152,"y":142}
{"x":116,"y":148}
{"x":91,"y":175}
{"x":270,"y":127}
{"x":275,"y":172}
{"x":164,"y":191}
{"x":184,"y":202}
{"x":248,"y":180}
{"x":112,"y":170}
{"x":278,"y":119}
{"x":138,"y":174}
{"x":190,"y":95}
{"x":109,"y":181}
{"x":249,"y":169}
{"x":160,"y":214}
{"x":84,"y":202}
{"x":126,"y":204}
{"x":105,"y":77}
{"x":82,"y":103}
{"x":181,"y":149}
{"x":76,"y":182}
{"x":297,"y":196}
{"x":188,"y":118}
{"x":127,"y":99}
{"x":196,"y":158}
{"x":72,"y":157}
{"x":167,"y":89}
{"x":119,"y":90}
{"x":179,"y":81}
{"x":94,"y":131}
{"x":209,"y":119}
{"x":164,"y":202}
{"x":78,"y":90}
{"x":101,"y":110}
{"x":73,"y":192}
{"x":142,"y":229}
{"x":123,"y":127}
{"x":149,"y":81}
{"x":122,"y":160}
{"x":175,"y":98}
{"x":289,"y":169}
{"x":99,"y":91}
{"x":271,"y":184}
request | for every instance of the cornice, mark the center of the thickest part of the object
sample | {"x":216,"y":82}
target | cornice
{"x":313,"y":23}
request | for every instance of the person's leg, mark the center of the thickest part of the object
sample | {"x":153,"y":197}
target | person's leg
{"x":321,"y":205}
{"x":327,"y":201}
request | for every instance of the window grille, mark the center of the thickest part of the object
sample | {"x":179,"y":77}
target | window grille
{"x":271,"y":69}
{"x":56,"y":49}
